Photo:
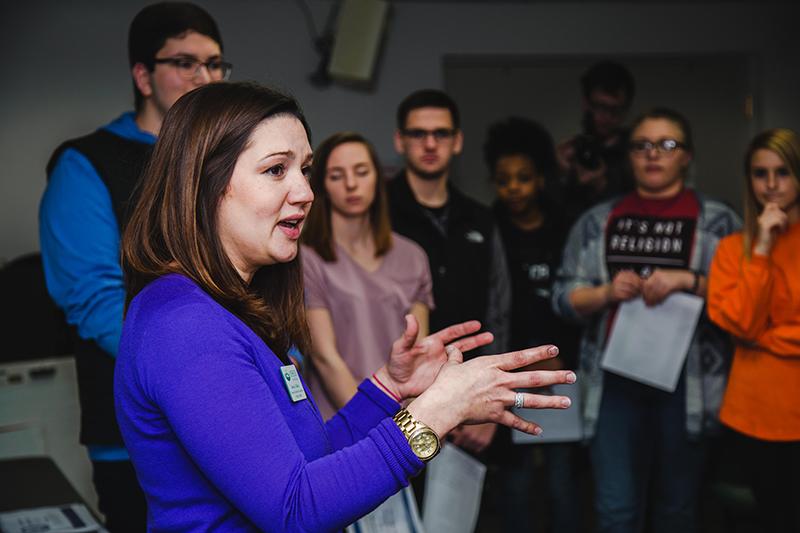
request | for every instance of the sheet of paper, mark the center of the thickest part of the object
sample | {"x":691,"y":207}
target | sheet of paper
{"x":398,"y":514}
{"x":649,"y":344}
{"x":453,"y":488}
{"x":558,"y":425}
{"x":74,"y":518}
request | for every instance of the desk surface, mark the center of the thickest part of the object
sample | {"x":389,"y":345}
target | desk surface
{"x":34,"y":482}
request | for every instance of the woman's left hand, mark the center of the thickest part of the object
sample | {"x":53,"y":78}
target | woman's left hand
{"x":662,"y":283}
{"x":413,"y":365}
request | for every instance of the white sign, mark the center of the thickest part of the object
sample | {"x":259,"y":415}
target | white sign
{"x":453,"y":488}
{"x":650,"y":344}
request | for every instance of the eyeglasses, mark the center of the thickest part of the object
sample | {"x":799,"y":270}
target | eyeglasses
{"x":189,"y":67}
{"x":663,"y":146}
{"x":612,"y":110}
{"x":420,"y":135}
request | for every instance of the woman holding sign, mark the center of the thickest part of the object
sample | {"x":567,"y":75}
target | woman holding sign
{"x":221,"y":429}
{"x":649,"y":244}
{"x":753,"y":294}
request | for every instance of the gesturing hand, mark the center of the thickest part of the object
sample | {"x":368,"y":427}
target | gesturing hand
{"x":482,"y":390}
{"x":413,"y":365}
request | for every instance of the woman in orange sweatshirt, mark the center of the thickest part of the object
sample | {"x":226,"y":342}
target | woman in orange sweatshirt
{"x":754,"y":293}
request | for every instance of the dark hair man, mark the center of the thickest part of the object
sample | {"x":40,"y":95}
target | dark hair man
{"x":466,"y":256}
{"x":595,"y":162}
{"x":173,"y":47}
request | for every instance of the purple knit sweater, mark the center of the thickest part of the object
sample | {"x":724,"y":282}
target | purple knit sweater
{"x":216,"y":440}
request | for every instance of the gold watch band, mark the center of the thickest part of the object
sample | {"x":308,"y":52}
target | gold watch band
{"x":407,"y":423}
{"x":423,"y":440}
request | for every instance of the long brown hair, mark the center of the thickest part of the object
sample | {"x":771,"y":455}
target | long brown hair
{"x":786,"y":144}
{"x":173,"y":227}
{"x":318,"y":232}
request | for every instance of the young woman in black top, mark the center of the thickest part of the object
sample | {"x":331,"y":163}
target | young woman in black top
{"x":522,"y":163}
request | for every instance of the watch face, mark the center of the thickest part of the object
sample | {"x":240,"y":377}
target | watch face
{"x":425,"y":444}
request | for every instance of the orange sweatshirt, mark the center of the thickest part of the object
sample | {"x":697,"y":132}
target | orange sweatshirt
{"x":758,"y":302}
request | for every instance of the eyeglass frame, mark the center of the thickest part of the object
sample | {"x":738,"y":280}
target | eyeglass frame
{"x":225,"y":66}
{"x":660,"y":146}
{"x":421,"y":135}
{"x":611,"y":110}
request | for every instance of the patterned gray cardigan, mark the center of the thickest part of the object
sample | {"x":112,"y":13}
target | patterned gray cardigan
{"x":708,"y":361}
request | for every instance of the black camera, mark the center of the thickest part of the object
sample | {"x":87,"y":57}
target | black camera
{"x":588,"y":152}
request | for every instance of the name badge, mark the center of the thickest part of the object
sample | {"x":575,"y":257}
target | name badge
{"x":293,"y":384}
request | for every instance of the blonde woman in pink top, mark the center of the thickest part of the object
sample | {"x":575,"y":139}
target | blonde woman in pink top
{"x":361,"y":279}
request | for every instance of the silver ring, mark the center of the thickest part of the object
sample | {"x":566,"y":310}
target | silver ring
{"x":518,"y":400}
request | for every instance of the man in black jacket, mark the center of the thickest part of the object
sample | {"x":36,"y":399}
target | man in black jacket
{"x":466,"y":256}
{"x":173,"y":47}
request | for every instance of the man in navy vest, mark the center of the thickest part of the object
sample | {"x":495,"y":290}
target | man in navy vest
{"x":465,"y":253}
{"x":173,"y":47}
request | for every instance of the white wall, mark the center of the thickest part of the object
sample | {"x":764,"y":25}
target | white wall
{"x":66,"y":67}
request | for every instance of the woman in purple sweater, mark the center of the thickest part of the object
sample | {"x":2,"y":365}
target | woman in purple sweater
{"x":221,"y":429}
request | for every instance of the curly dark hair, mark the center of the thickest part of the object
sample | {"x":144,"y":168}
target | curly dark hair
{"x":521,"y":136}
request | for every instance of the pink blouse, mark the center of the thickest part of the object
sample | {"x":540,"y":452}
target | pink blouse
{"x":367,"y":308}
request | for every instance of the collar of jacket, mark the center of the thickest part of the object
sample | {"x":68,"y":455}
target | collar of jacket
{"x":456,"y":200}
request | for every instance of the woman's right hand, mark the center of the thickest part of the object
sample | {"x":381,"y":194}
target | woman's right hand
{"x":482,"y":390}
{"x":771,"y":222}
{"x":626,"y":285}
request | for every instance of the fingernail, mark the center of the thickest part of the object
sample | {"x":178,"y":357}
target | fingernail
{"x":566,"y":402}
{"x":537,"y":432}
{"x":553,"y":350}
{"x":450,"y":349}
{"x":571,"y":377}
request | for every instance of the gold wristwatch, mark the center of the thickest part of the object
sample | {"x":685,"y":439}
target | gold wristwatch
{"x":423,"y":440}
